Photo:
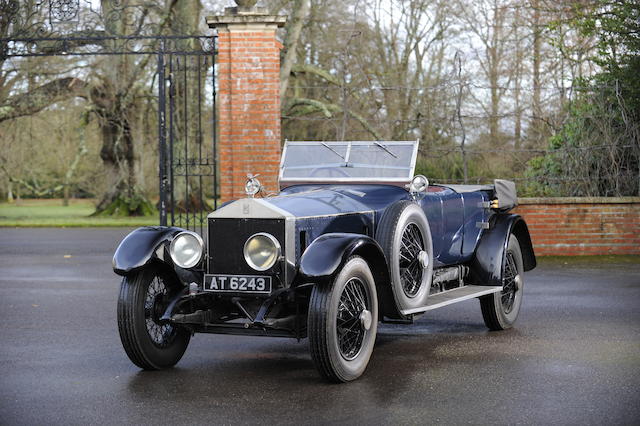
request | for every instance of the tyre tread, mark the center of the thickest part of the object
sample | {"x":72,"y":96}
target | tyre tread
{"x":317,"y":331}
{"x":126,"y":303}
{"x":492,"y":318}
{"x":388,"y":225}
{"x":320,"y":346}
{"x":131,"y":296}
{"x":489,"y":314}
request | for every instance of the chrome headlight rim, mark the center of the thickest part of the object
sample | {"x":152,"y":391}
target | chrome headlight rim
{"x":200,"y":251}
{"x":419,"y":183}
{"x":276,"y":245}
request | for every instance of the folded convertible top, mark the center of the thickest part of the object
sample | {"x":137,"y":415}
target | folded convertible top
{"x":504,"y":191}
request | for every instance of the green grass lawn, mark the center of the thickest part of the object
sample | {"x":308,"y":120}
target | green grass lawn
{"x":51,"y":213}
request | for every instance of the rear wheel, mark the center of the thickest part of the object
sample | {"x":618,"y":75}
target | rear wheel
{"x":500,"y":310}
{"x":343,"y":321}
{"x":150,"y":343}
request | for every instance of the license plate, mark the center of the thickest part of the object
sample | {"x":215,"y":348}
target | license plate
{"x":237,"y":284}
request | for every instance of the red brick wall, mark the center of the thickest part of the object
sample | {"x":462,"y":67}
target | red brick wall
{"x":582,"y":226}
{"x":248,"y":108}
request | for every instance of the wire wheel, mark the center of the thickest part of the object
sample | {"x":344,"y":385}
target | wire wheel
{"x":405,"y":238}
{"x":509,"y":286}
{"x":155,"y":302}
{"x":410,"y":268}
{"x":343,"y":322}
{"x":150,"y":343}
{"x":500,"y":310}
{"x":350,"y":329}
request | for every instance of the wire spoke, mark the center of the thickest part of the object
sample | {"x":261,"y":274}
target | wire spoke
{"x":349,"y":327}
{"x":161,"y":334}
{"x":412,"y":244}
{"x":509,"y":287}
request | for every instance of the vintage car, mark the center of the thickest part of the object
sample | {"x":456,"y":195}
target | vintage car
{"x":352,"y":239}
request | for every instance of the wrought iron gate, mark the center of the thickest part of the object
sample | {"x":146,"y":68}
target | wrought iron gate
{"x":187,"y":139}
{"x":183,"y":83}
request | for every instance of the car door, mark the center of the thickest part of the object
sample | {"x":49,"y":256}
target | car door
{"x":445,"y":212}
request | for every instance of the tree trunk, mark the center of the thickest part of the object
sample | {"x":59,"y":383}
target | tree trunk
{"x":300,"y":12}
{"x":535,"y":125}
{"x":495,"y":105}
{"x":115,"y":104}
{"x":517,"y":133}
{"x":494,"y":75}
{"x":81,"y":152}
{"x":117,"y":159}
{"x":123,"y":196}
{"x":10,"y":199}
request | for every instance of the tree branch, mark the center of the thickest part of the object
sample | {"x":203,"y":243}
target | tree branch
{"x":41,"y":97}
{"x":310,"y":69}
{"x":305,"y":106}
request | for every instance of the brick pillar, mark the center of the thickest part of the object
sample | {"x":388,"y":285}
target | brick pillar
{"x":248,"y":98}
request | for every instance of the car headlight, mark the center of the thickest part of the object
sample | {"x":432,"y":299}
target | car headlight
{"x":419,"y":183}
{"x":186,"y":249}
{"x":261,"y":251}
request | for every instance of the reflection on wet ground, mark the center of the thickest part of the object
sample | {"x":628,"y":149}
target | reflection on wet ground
{"x":574,"y":356}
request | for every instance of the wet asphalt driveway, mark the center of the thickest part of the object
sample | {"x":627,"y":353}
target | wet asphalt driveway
{"x":573,"y":358}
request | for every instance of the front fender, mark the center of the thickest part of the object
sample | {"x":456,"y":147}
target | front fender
{"x":139,"y":248}
{"x":486,"y":266}
{"x":327,"y":254}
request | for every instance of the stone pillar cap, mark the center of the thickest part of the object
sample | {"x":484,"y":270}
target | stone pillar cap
{"x":246,"y":18}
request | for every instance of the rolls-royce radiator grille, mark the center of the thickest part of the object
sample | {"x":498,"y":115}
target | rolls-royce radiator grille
{"x":226,"y":244}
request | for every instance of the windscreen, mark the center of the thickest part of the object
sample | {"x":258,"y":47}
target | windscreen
{"x":348,"y":161}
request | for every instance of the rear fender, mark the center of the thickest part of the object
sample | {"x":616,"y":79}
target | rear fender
{"x":327,"y":254}
{"x":486,"y":266}
{"x":143,"y":246}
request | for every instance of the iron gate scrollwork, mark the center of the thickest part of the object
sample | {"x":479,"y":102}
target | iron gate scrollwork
{"x":183,"y":82}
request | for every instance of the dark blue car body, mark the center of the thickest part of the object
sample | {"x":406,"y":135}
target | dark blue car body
{"x":351,"y":232}
{"x":452,"y":216}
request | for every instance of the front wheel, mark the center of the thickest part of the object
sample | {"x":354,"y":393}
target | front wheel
{"x":150,"y":343}
{"x":343,"y":321}
{"x":500,"y":310}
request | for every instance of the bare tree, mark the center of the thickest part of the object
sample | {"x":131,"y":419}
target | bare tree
{"x":407,"y":65}
{"x":488,"y":24}
{"x":18,"y":19}
{"x":373,"y":69}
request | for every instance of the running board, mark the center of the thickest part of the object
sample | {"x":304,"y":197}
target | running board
{"x":439,"y":300}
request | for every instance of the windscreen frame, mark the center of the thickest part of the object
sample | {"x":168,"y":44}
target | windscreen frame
{"x":344,"y":153}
